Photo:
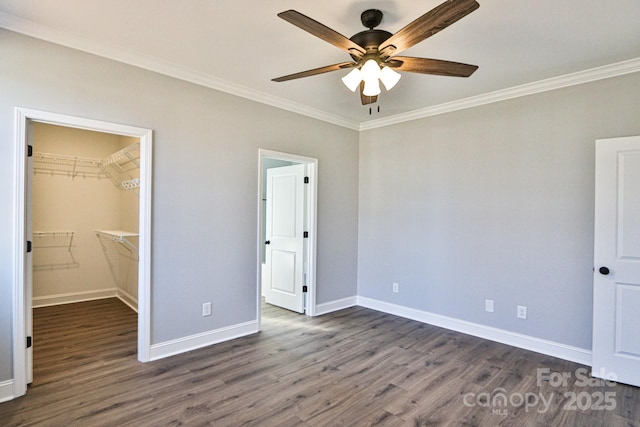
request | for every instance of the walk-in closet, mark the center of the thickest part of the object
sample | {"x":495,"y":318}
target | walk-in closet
{"x":84,"y":215}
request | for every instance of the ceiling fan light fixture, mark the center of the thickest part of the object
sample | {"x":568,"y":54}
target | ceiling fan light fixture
{"x":371,"y":88}
{"x":353,"y":79}
{"x":389,"y":77}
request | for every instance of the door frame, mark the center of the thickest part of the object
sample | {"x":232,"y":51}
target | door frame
{"x":23,"y":116}
{"x":312,"y":213}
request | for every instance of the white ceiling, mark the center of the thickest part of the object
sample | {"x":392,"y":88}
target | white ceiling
{"x":239,"y":45}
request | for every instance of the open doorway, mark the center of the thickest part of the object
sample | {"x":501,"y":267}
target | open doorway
{"x":287,"y":201}
{"x":62,"y":241}
{"x":84,"y":216}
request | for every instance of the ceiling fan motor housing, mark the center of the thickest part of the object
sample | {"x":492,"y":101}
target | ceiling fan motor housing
{"x":370,"y":40}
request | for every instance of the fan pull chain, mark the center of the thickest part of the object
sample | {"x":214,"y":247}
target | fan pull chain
{"x":370,"y":111}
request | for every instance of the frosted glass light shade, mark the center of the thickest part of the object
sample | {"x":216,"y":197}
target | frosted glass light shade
{"x":371,"y":88}
{"x":370,"y":74}
{"x":353,"y":79}
{"x":389,"y":77}
{"x":370,"y":70}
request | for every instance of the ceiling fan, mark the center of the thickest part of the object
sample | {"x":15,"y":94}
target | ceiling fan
{"x":374,"y":51}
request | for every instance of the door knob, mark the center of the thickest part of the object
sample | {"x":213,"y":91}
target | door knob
{"x":603,"y":270}
{"x":268,"y":242}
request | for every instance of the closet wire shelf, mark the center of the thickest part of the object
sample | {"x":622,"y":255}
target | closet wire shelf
{"x":72,"y":166}
{"x":53,"y":239}
{"x":122,"y":167}
{"x":123,"y":238}
{"x":52,"y":250}
{"x":117,"y":246}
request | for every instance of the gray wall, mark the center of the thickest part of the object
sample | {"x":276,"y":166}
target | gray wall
{"x":205,"y":172}
{"x":492,"y":202}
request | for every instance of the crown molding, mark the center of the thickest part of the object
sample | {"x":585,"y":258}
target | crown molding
{"x":573,"y":79}
{"x":31,"y":29}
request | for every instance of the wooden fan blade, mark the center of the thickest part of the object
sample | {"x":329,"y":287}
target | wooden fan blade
{"x":427,"y":25}
{"x":322,"y":31}
{"x":366,"y":99}
{"x":432,"y":66}
{"x":315,"y":71}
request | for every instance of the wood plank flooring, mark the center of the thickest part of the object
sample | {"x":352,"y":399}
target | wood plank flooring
{"x":355,"y":367}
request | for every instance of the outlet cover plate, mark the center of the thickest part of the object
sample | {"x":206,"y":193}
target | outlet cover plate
{"x":488,"y":305}
{"x":206,"y":309}
{"x":522,"y":312}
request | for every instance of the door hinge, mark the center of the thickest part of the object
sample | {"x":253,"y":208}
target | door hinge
{"x":29,"y":342}
{"x":29,"y":150}
{"x":306,"y":179}
{"x":28,"y":246}
{"x":304,"y":288}
{"x":305,"y":235}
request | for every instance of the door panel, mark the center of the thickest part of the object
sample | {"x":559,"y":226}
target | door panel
{"x":616,"y":298}
{"x":283,"y":271}
{"x":629,"y":205}
{"x":627,"y":320}
{"x":285,"y":208}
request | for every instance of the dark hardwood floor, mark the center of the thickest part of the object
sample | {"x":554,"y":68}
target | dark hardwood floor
{"x":355,"y":367}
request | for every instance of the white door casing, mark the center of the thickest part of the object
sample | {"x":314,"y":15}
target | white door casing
{"x":28,"y":274}
{"x":285,"y":225}
{"x":22,"y":279}
{"x":616,"y":297}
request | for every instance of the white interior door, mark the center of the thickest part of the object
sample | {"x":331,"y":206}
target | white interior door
{"x":284,"y":258}
{"x":616,"y":300}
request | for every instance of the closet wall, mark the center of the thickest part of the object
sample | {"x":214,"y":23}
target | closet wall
{"x":80,"y":266}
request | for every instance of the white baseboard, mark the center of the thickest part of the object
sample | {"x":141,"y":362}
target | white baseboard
{"x":192,"y":342}
{"x":71,"y":297}
{"x":331,"y":306}
{"x":128,"y":299}
{"x":7,"y":391}
{"x":550,"y":348}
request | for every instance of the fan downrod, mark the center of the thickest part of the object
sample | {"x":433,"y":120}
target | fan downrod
{"x":371,"y":18}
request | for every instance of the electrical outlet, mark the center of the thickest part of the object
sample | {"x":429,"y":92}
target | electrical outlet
{"x":522,"y":312}
{"x":396,"y":287}
{"x":206,"y":309}
{"x":488,"y":305}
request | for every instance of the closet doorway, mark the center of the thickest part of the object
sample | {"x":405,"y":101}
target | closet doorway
{"x":82,"y":221}
{"x":84,"y":216}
